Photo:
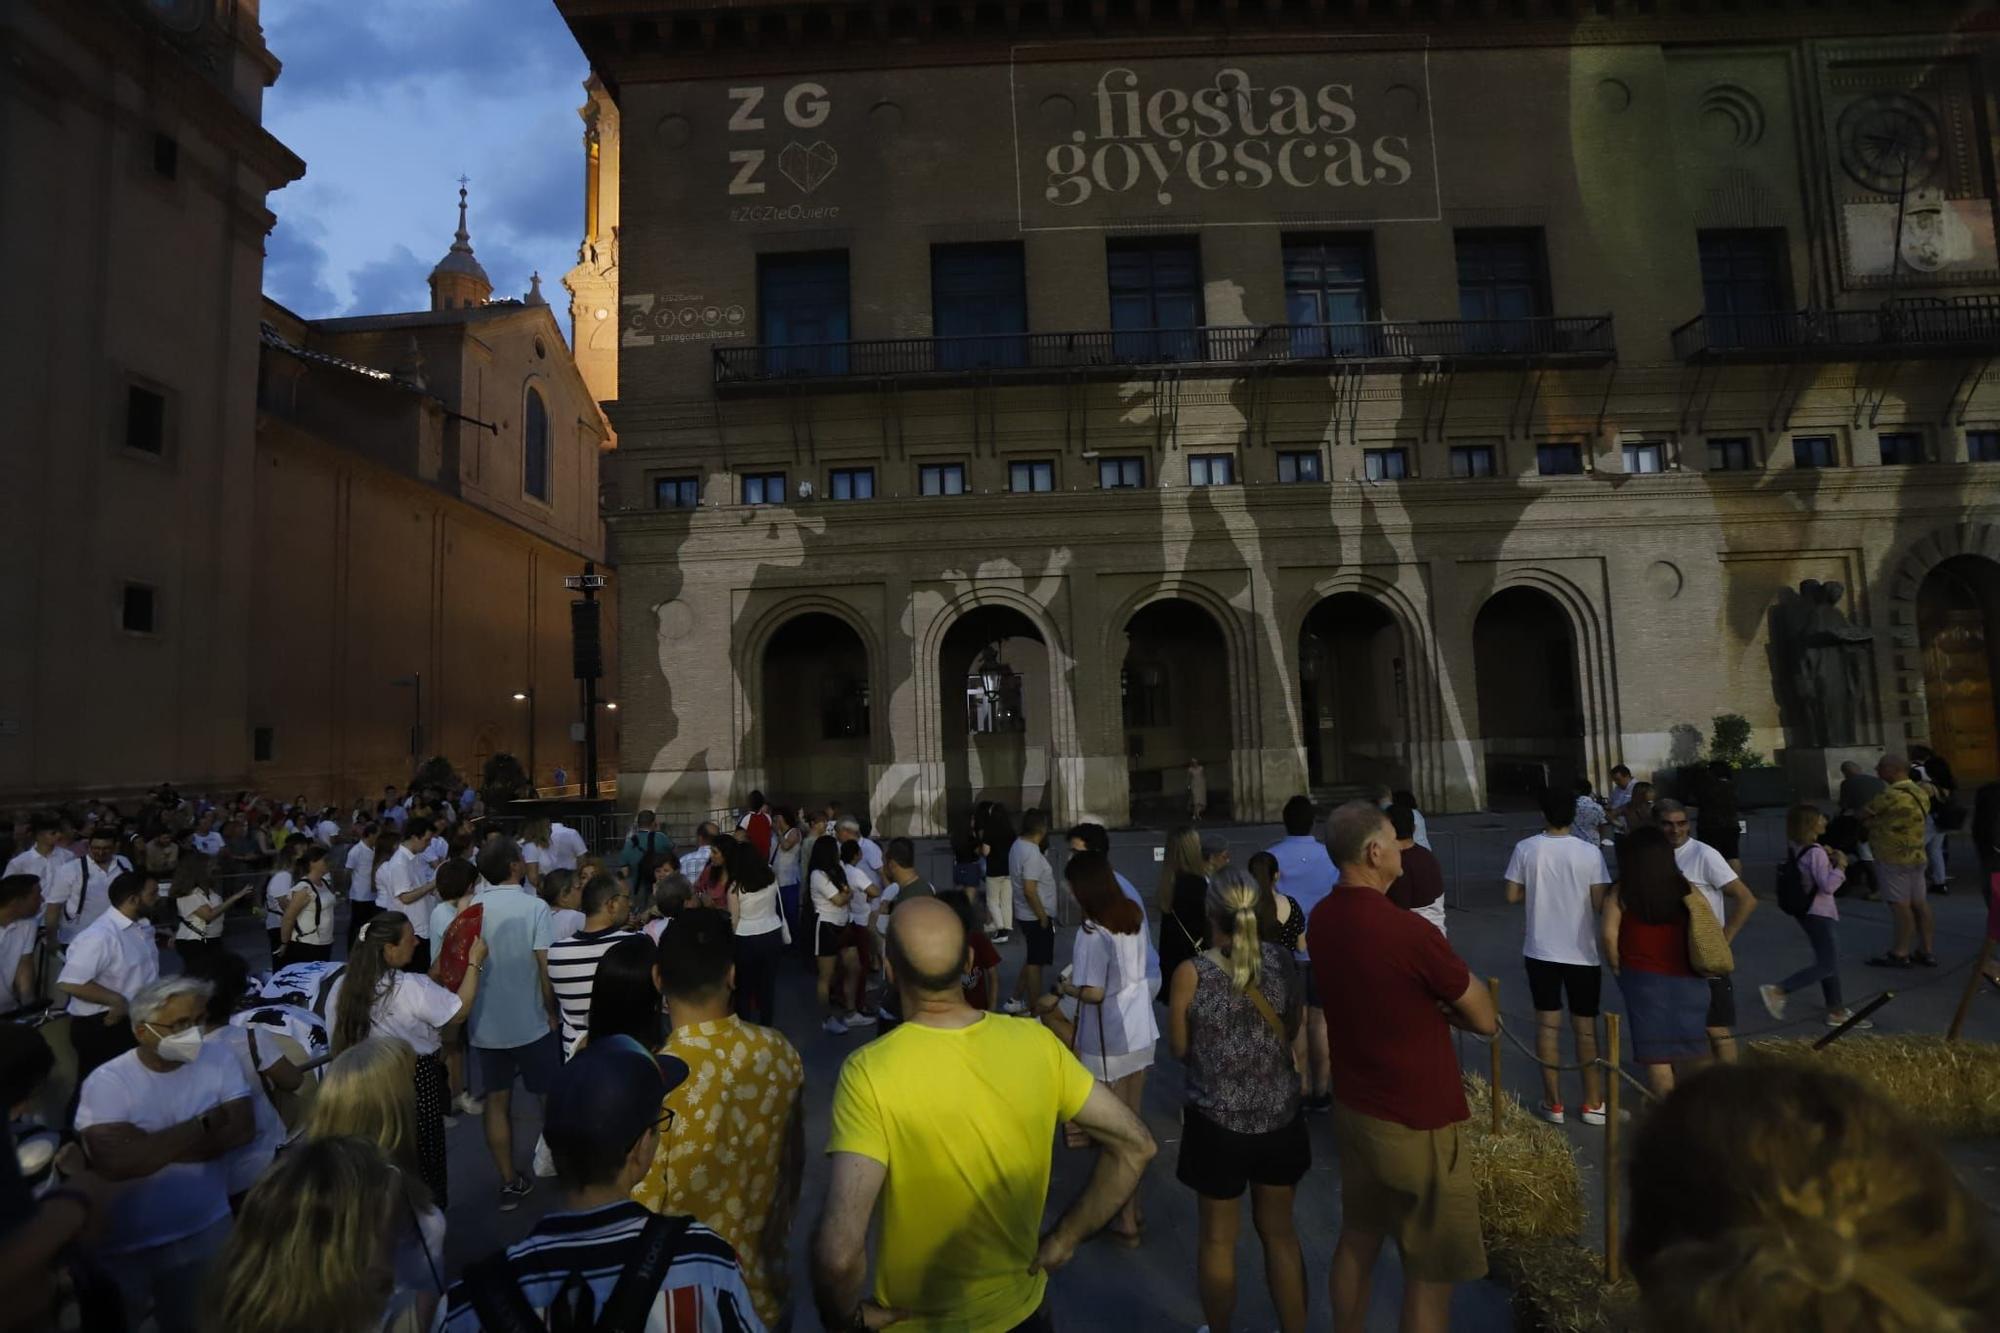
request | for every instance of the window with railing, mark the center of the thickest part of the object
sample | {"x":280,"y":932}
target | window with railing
{"x":1121,"y":474}
{"x":1645,"y":458}
{"x":1744,"y":295}
{"x":941,"y":479}
{"x":1212,"y":470}
{"x":802,"y":312}
{"x":763,"y":488}
{"x":676,"y":492}
{"x":1902,"y":448}
{"x":851,"y":483}
{"x":1559,"y":460}
{"x":1385,"y":464}
{"x":1156,"y":308}
{"x":1328,"y":282}
{"x":979,"y":305}
{"x":1809,"y":451}
{"x":1474,"y":460}
{"x":1300,"y":465}
{"x":1031,"y":475}
{"x":1731,"y":453}
{"x":1502,"y":281}
{"x":1982,"y":446}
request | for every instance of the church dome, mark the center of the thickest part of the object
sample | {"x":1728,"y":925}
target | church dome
{"x":458,"y":280}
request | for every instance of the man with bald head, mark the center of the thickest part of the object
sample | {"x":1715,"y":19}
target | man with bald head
{"x":949,"y":1121}
{"x":1393,"y":990}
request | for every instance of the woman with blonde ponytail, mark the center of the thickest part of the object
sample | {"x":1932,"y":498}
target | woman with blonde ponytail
{"x":1779,"y":1196}
{"x":1233,"y":1011}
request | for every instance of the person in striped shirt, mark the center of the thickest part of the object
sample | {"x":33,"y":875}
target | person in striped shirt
{"x":607,"y":904}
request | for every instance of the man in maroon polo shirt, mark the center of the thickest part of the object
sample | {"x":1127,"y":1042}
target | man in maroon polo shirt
{"x":1393,"y":990}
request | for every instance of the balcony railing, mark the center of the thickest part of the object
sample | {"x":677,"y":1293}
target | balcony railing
{"x":1220,"y":351}
{"x":1963,"y":324}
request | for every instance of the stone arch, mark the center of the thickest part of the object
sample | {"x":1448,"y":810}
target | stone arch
{"x":1591,"y":656}
{"x":1908,"y":697}
{"x":753,"y":645}
{"x":1239,"y":657}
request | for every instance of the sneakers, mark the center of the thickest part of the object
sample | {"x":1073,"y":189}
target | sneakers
{"x":1001,"y":937}
{"x":1592,"y":1115}
{"x":859,"y":1020}
{"x":885,"y":1016}
{"x":833,"y":1027}
{"x":1774,"y":1000}
{"x":1551,"y":1113}
{"x":469,"y":1104}
{"x":450,"y":1120}
{"x":545,"y":1161}
{"x":1839,"y":1016}
{"x":1926,"y":959}
{"x":512,"y":1194}
{"x":1014,"y":1007}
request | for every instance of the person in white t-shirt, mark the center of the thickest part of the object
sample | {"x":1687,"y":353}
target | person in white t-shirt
{"x":1033,"y":882}
{"x":205,"y":839}
{"x":862,"y":905}
{"x":1706,"y":869}
{"x":361,"y":858}
{"x":1564,"y":880}
{"x":408,"y":884}
{"x":43,"y":859}
{"x":201,"y":909}
{"x":163,"y":1118}
{"x":262,"y":1058}
{"x":305,"y":931}
{"x":83,"y":885}
{"x":20,"y":903}
{"x":826,"y":882}
{"x":566,"y":846}
{"x":563,"y":893}
{"x":112,"y":960}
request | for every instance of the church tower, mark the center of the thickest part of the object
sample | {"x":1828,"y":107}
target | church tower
{"x":458,"y":281}
{"x":593,"y":283}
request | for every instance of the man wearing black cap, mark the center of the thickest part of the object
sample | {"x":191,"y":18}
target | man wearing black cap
{"x":604,"y":1259}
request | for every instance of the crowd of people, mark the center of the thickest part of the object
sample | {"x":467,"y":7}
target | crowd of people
{"x":263,"y":1148}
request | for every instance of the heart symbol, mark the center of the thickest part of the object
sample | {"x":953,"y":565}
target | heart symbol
{"x":808,"y":167}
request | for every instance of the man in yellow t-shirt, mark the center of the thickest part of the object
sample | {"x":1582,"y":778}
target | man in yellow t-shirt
{"x":735,"y":1154}
{"x":950,"y":1121}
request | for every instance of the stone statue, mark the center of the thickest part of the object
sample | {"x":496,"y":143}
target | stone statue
{"x":1826,"y":660}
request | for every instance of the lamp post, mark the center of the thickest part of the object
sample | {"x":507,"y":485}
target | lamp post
{"x":528,"y":696}
{"x":415,"y":683}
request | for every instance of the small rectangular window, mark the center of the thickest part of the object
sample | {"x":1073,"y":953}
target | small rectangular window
{"x":851,"y":483}
{"x":676,"y":492}
{"x":1902,"y":448}
{"x":1121,"y":473}
{"x":1037,"y":475}
{"x":1730,"y":454}
{"x":145,"y":420}
{"x":1299,"y":466}
{"x":764,"y":488}
{"x":1212,"y":470}
{"x":1982,"y":446}
{"x":941,"y":479}
{"x":1813,"y":451}
{"x":1559,"y":460}
{"x":1645,"y":458}
{"x":166,"y":156}
{"x":1474,"y":460}
{"x":139,"y":613}
{"x":261,"y":746}
{"x":1385,"y":464}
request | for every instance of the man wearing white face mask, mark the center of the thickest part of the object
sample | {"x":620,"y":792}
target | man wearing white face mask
{"x":162,"y":1118}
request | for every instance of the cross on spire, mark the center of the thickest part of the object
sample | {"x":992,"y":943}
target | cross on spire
{"x":464,"y":238}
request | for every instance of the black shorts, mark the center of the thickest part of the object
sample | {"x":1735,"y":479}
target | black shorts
{"x":1550,"y":983}
{"x":1726,"y":837}
{"x":1041,"y":938}
{"x":828,"y":940}
{"x":534,"y":1064}
{"x":1217,"y":1163}
{"x":1721,"y":1002}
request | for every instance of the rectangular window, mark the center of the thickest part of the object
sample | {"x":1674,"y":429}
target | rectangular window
{"x":764,"y":488}
{"x":1299,"y":466}
{"x":979,"y":305}
{"x":166,"y":156}
{"x":1730,"y":454}
{"x":1329,"y":294}
{"x":145,"y":420}
{"x":802,"y":312}
{"x":1982,"y":446}
{"x":261,"y":747}
{"x":1474,"y":460}
{"x":1121,"y":473}
{"x":1901,"y":448}
{"x":1156,"y":310}
{"x":1502,"y":282}
{"x":851,"y":483}
{"x":676,"y":492}
{"x":1559,"y":460}
{"x":1212,"y":470}
{"x":941,"y":479}
{"x":1038,"y":475}
{"x":139,"y":612}
{"x":1743,"y":288}
{"x":1385,"y":464}
{"x":1645,"y":458}
{"x":1814,"y":451}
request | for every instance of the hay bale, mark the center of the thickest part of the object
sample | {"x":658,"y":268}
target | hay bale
{"x":1529,"y":1186}
{"x":1559,"y":1287}
{"x":1950,"y":1086}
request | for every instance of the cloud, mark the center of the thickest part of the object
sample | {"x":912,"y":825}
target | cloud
{"x":540,"y":194}
{"x":333,"y":48}
{"x":295,"y":267}
{"x":391,"y":285}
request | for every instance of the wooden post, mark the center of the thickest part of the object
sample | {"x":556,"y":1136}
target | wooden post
{"x":1971,"y":989}
{"x":1493,"y":1089}
{"x":1611,"y":1113}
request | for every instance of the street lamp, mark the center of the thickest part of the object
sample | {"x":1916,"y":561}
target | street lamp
{"x":527,"y":696}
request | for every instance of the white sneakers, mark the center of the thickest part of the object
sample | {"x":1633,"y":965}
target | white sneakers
{"x":1015,"y":1007}
{"x":833,"y":1027}
{"x":1774,"y":1000}
{"x":859,"y":1020}
{"x":469,"y":1104}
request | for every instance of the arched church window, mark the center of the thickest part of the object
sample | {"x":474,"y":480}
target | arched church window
{"x":535,"y":461}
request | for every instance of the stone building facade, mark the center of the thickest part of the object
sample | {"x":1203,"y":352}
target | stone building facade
{"x":1026,"y":400}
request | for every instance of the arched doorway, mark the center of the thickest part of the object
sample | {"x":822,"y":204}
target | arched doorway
{"x":816,"y":713}
{"x":1353,"y":695}
{"x":1959,"y":635}
{"x":1530,"y":711}
{"x":994,"y":695}
{"x":1174,"y":692}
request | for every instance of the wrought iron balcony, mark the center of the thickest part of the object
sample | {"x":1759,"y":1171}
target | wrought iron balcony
{"x":1220,"y":352}
{"x":1930,"y":326}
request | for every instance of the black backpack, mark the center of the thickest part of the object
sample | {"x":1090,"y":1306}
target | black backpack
{"x":497,"y":1298}
{"x":1794,"y":894}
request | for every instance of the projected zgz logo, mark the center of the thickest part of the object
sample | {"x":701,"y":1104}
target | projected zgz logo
{"x":807,"y":165}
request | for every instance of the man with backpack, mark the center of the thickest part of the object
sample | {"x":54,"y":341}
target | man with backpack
{"x":643,"y":841}
{"x":604,"y":1262}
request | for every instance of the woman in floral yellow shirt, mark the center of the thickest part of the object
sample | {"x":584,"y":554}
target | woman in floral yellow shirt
{"x":734,"y":1154}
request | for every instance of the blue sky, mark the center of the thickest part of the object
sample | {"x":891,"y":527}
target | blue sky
{"x":388,"y":102}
